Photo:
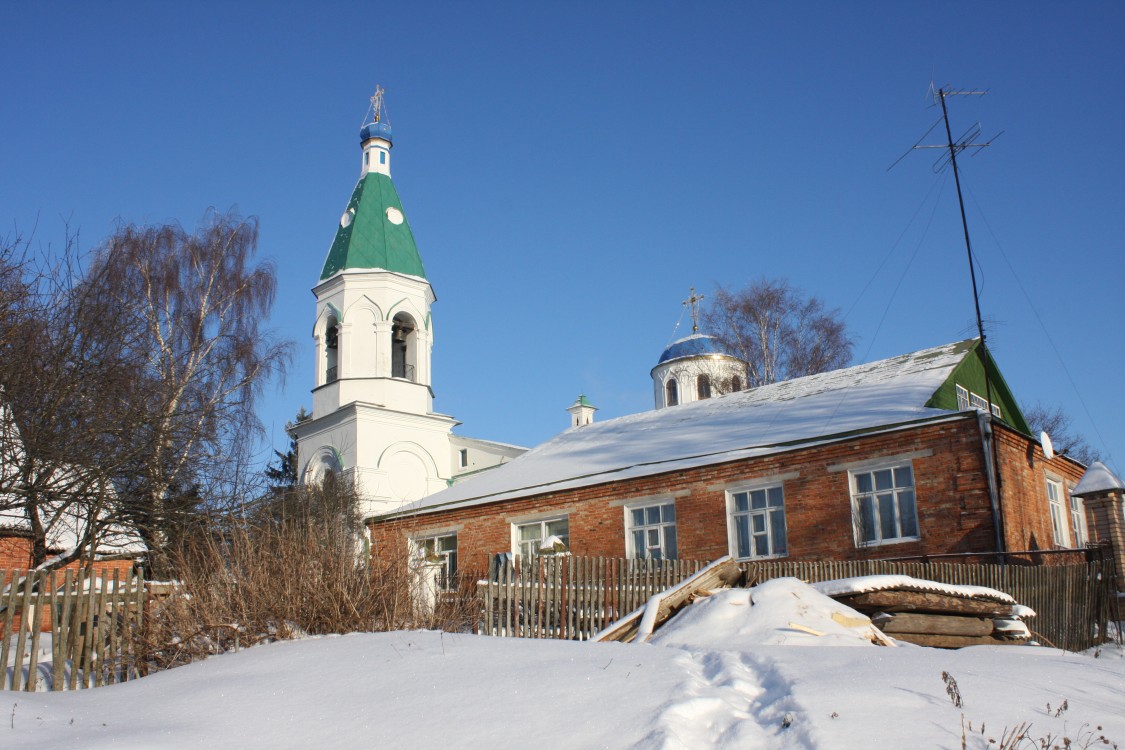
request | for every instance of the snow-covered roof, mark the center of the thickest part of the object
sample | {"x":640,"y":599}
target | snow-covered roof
{"x":1098,"y":478}
{"x":757,"y":422}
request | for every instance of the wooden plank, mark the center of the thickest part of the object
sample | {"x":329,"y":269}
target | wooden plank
{"x":62,"y":633}
{"x":8,"y":578}
{"x":58,"y":627}
{"x":112,"y":634}
{"x":918,"y":601}
{"x":954,"y":641}
{"x":139,"y":623}
{"x":100,"y":633}
{"x":721,"y":575}
{"x":21,"y":639}
{"x":911,"y":622}
{"x":89,"y":595}
{"x":41,"y":601}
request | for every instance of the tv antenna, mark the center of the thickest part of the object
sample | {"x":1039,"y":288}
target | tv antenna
{"x":950,"y":149}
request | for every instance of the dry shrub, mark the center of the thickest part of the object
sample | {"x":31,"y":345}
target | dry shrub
{"x":299,"y":565}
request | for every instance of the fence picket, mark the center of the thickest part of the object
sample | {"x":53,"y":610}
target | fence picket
{"x":9,"y":613}
{"x":36,"y":628}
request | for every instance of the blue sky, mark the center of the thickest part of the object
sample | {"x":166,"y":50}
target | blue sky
{"x":571,"y":169}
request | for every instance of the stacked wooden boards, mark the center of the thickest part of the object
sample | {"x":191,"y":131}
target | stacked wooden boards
{"x":928,"y":613}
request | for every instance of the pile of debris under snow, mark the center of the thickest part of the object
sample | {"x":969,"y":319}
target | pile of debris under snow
{"x":929,"y":613}
{"x":879,"y":609}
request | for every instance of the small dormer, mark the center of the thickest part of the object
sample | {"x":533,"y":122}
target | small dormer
{"x":581,"y":412}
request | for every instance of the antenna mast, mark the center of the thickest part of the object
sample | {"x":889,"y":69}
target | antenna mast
{"x":954,"y":148}
{"x":966,"y":141}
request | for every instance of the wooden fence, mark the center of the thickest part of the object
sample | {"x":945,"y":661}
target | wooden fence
{"x":571,"y":598}
{"x":1073,"y":603}
{"x":85,"y":623}
{"x":575,"y":597}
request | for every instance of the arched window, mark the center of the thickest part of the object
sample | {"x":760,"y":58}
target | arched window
{"x":735,"y":384}
{"x":403,"y":347}
{"x":331,"y":349}
{"x":671,"y":393}
{"x":703,"y":386}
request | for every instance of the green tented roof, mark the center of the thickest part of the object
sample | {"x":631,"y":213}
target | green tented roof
{"x":372,"y":239}
{"x":969,"y":374}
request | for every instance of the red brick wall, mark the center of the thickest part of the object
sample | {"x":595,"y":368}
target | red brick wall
{"x":955,"y":513}
{"x":1023,"y":490}
{"x":15,"y":552}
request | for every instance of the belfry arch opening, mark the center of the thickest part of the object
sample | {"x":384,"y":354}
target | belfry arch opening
{"x":331,"y":349}
{"x":404,"y":347}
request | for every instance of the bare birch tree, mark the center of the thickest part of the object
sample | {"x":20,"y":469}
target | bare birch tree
{"x":780,"y":333}
{"x":198,"y":305}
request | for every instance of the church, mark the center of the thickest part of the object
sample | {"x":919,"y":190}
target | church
{"x":372,"y":417}
{"x":898,"y":458}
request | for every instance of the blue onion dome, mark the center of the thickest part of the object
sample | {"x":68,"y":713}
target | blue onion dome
{"x":693,"y":346}
{"x":375,"y":130}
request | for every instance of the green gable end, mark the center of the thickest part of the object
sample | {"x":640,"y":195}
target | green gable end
{"x":372,"y":239}
{"x":969,"y":374}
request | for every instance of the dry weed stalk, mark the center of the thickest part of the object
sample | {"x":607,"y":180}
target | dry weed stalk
{"x":279,"y":577}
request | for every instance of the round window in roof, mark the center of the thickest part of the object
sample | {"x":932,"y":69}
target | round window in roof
{"x":346,"y":219}
{"x":394,"y":215}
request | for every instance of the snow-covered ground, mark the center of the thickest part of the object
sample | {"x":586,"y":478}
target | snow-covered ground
{"x":729,"y":672}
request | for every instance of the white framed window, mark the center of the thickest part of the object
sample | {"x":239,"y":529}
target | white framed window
{"x":1078,"y":521}
{"x":651,"y":531}
{"x":967,"y":399}
{"x":884,"y":509}
{"x":1055,"y":498}
{"x":531,"y":536}
{"x":463,"y":457}
{"x":440,"y":550}
{"x":756,"y":522}
{"x":963,"y":403}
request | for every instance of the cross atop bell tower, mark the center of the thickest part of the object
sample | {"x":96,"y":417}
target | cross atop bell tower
{"x":375,"y":136}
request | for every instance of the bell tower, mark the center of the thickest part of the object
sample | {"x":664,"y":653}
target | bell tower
{"x":372,"y":417}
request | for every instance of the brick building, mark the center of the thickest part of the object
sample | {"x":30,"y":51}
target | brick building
{"x":907,"y":456}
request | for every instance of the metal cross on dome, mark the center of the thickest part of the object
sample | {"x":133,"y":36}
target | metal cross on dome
{"x":694,"y":301}
{"x":378,"y":109}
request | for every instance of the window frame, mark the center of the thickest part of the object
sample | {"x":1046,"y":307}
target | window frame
{"x":1078,"y":521}
{"x":671,"y":392}
{"x":856,"y":496}
{"x":766,"y":513}
{"x":542,"y":523}
{"x":702,"y":386}
{"x":1058,"y":509}
{"x":447,"y":577}
{"x":660,"y":526}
